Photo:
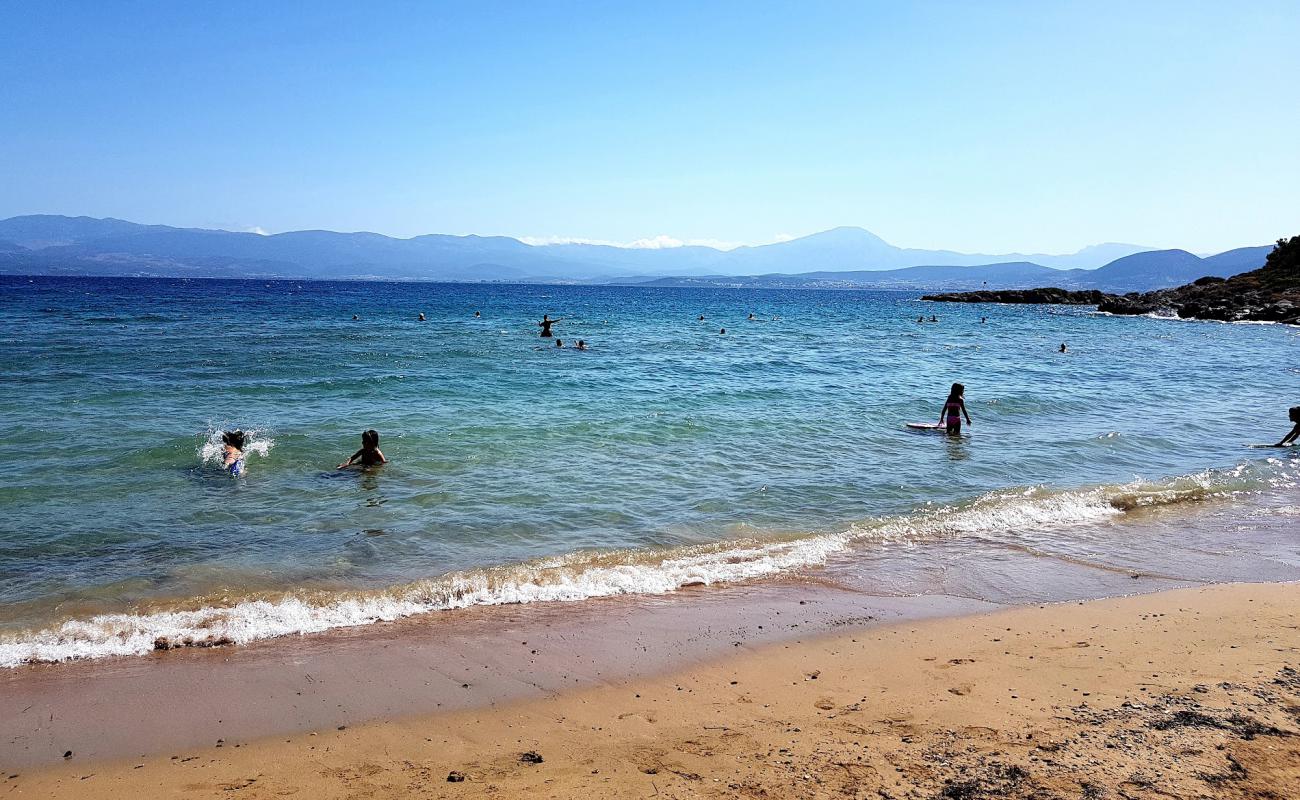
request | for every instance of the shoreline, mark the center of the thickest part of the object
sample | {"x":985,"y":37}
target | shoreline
{"x":840,"y":553}
{"x":1183,"y":693}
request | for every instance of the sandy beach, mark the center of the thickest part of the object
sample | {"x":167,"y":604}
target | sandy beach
{"x":1184,"y":693}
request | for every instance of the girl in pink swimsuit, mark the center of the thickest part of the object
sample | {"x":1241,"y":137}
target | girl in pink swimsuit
{"x":954,"y":409}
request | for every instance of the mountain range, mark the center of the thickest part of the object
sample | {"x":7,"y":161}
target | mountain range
{"x":843,"y":257}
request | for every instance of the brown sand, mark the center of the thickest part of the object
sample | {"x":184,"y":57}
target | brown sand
{"x":1189,"y":693}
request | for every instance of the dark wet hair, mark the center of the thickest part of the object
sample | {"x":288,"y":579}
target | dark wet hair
{"x":1294,"y":413}
{"x":370,"y":438}
{"x":957,"y":390}
{"x":234,"y":438}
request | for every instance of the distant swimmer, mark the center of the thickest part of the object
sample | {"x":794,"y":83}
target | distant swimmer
{"x":421,"y":317}
{"x":477,"y":315}
{"x":723,"y":331}
{"x":983,"y":320}
{"x":546,"y":324}
{"x":232,"y":450}
{"x":369,"y":455}
{"x":582,"y":345}
{"x":701,"y":318}
{"x":954,"y":408}
{"x":355,"y":318}
{"x":1064,"y":349}
{"x":751,"y":317}
{"x":1294,"y":415}
{"x":921,"y":319}
{"x":933,"y":318}
{"x":559,"y":343}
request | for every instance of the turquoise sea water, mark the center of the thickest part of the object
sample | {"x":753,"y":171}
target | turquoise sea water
{"x":668,"y":454}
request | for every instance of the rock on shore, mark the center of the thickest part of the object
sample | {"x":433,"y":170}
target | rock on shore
{"x":1030,"y":296}
{"x":1268,"y":294}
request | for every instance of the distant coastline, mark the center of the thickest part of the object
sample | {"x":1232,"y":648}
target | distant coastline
{"x":1268,"y":294}
{"x":840,"y":258}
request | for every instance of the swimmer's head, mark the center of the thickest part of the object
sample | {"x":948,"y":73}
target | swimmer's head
{"x":233,"y":438}
{"x":370,"y":439}
{"x":559,"y":343}
{"x":421,"y":317}
{"x":723,"y":330}
{"x":582,"y":345}
{"x":957,"y":391}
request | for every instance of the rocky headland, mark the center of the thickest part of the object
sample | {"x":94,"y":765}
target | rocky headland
{"x":1063,"y":297}
{"x":1268,"y":294}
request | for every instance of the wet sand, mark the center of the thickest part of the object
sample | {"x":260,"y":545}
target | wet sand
{"x":1184,"y":693}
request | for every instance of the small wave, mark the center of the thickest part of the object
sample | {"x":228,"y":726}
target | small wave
{"x":256,"y":441}
{"x":587,"y":574}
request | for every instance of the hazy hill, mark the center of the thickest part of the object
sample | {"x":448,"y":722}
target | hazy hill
{"x":1157,"y":269}
{"x":48,"y":244}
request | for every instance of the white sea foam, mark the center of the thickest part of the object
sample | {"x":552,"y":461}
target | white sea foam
{"x":583,"y":575}
{"x":256,"y":441}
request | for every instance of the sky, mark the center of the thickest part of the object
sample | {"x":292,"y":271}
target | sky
{"x":981,"y":127}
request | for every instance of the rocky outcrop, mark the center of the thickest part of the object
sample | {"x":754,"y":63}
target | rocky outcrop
{"x":1268,"y":294}
{"x":1044,"y":295}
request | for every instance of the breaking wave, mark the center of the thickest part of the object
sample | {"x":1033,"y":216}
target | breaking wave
{"x":590,"y":574}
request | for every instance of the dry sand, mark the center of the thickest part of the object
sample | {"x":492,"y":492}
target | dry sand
{"x":1187,"y":693}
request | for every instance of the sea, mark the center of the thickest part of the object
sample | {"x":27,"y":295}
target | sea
{"x":669,"y":454}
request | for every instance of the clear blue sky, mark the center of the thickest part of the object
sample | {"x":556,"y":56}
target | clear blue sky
{"x":991,"y":127}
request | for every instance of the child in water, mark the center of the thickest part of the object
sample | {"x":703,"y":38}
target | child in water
{"x":370,"y":455}
{"x":1294,"y":415}
{"x":954,"y":408}
{"x":232,"y":450}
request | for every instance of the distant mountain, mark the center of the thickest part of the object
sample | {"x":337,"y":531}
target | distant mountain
{"x":1268,"y":294}
{"x":840,"y":257}
{"x":1157,"y":269}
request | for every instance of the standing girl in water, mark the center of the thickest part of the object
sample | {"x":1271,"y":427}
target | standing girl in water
{"x":546,"y":324}
{"x":954,"y":409}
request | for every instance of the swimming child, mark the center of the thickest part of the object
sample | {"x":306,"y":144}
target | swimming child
{"x":1294,"y":415}
{"x":369,"y":454}
{"x":559,"y":343}
{"x":1064,"y":349}
{"x":954,"y":408}
{"x":546,"y":324}
{"x":478,"y":315}
{"x":723,"y":331}
{"x":582,"y":345}
{"x":421,"y":317}
{"x":232,"y":450}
